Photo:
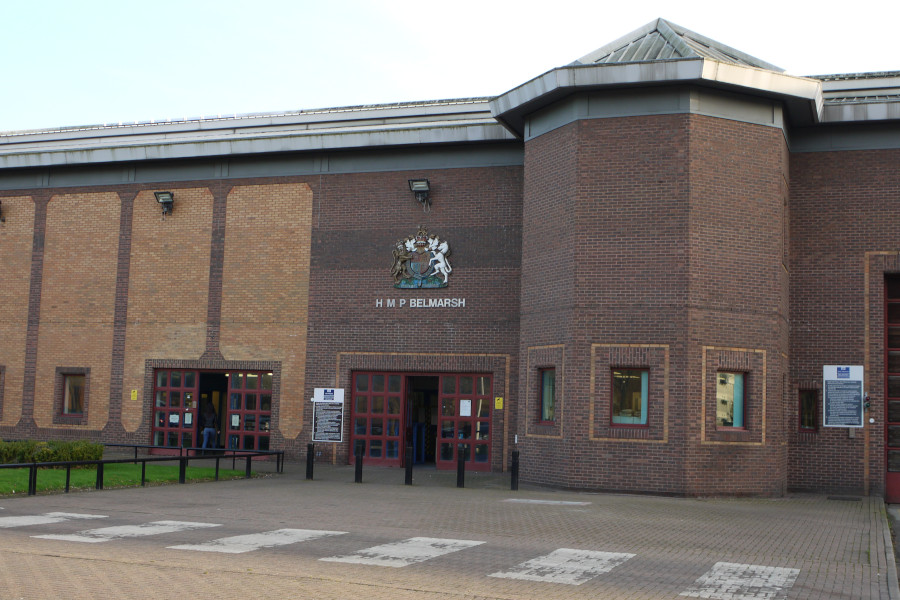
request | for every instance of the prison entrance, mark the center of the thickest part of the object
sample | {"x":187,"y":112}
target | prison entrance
{"x":241,"y":401}
{"x":441,"y":416}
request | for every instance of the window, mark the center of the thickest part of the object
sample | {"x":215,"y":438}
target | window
{"x":629,"y":396}
{"x":548,"y":395}
{"x":73,"y":395}
{"x":809,"y":400}
{"x":730,"y":399}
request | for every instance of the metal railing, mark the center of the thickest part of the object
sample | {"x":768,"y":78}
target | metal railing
{"x":182,"y":458}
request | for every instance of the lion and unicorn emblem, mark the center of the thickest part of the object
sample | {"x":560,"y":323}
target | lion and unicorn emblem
{"x":420,"y":261}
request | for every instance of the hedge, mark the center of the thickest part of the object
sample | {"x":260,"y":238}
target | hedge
{"x":27,"y":451}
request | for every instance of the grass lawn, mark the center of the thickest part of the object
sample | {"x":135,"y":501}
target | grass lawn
{"x":15,"y":481}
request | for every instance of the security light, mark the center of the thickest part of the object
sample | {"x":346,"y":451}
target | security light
{"x":420,"y":188}
{"x":166,"y":200}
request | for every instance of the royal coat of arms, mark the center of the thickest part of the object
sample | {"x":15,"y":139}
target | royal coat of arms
{"x":420,"y":261}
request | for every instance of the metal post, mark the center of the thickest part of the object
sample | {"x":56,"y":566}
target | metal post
{"x":247,"y":472}
{"x":32,"y":479}
{"x":514,"y":472}
{"x":99,"y":484}
{"x":68,"y":476}
{"x":359,"y":464}
{"x":409,"y":464}
{"x":182,"y":469}
{"x":310,"y":459}
{"x":460,"y":467}
{"x":143,"y":473}
{"x":217,"y":467}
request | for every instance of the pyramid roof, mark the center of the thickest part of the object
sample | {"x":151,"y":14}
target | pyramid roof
{"x":663,"y":40}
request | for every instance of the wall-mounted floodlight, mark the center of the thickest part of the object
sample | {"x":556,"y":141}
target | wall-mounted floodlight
{"x":166,"y":200}
{"x":421,"y":188}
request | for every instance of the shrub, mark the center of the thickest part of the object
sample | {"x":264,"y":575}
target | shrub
{"x":25,"y":451}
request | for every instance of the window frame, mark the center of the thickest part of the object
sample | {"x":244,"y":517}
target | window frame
{"x":743,"y":400}
{"x":60,"y":416}
{"x":815,"y":410}
{"x":645,"y":398}
{"x":542,"y":372}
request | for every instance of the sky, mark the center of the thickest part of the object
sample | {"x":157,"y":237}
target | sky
{"x":87,"y":62}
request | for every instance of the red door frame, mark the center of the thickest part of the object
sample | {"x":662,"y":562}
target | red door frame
{"x":379,"y":418}
{"x":248,"y":410}
{"x":892,"y":402}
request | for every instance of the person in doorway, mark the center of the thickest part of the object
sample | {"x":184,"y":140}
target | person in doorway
{"x":209,"y":426}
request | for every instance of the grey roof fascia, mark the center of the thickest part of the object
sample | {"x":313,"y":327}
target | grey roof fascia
{"x":325,"y":130}
{"x":802,"y":96}
{"x":852,"y":112}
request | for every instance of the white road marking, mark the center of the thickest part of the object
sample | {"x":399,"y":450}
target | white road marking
{"x":404,"y":553}
{"x":732,"y":581}
{"x":555,"y":502}
{"x":572,"y":567}
{"x":44,"y":519}
{"x":267,"y":539}
{"x":105,"y":534}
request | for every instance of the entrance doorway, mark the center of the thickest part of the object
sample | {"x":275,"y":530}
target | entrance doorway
{"x":442,"y":416}
{"x":422,"y":413}
{"x":242,"y":401}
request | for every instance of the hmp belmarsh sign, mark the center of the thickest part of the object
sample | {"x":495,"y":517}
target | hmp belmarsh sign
{"x":420,"y":303}
{"x":842,"y":396}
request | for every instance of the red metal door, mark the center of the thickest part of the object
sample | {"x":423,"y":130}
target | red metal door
{"x":174,"y":408}
{"x":465,"y":422}
{"x":892,"y":389}
{"x":377,"y":412}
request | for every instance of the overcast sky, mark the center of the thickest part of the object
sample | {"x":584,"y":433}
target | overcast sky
{"x":82,"y":62}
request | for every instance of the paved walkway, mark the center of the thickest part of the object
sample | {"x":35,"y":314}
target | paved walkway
{"x":285,"y":537}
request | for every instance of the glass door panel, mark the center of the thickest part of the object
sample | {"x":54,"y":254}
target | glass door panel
{"x":174,"y":422}
{"x":465,"y":422}
{"x":249,"y":414}
{"x":377,"y":408}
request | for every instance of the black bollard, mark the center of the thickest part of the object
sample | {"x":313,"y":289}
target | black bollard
{"x":310,"y":459}
{"x":409,"y":464}
{"x":460,"y":467}
{"x":359,"y":463}
{"x":514,"y":472}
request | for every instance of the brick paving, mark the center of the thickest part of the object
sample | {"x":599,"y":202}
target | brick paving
{"x":800,"y":546}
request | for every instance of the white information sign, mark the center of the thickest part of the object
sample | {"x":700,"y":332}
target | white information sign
{"x":465,"y":408}
{"x":842,"y":396}
{"x":328,"y":395}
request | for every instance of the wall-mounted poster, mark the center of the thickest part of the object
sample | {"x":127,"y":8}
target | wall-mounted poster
{"x":842,"y":396}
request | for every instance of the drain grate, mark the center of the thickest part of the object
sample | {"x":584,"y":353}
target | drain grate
{"x":845,"y":498}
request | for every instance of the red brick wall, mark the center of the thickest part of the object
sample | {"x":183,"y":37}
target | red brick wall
{"x":356,"y":221}
{"x":628,"y":226}
{"x":843,"y":231}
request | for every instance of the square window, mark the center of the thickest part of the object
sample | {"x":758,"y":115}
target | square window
{"x":730,"y":400}
{"x":629,"y":396}
{"x":73,"y":395}
{"x":548,"y":395}
{"x":809,"y":400}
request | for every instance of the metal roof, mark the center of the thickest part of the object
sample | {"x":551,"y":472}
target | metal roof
{"x":664,"y":40}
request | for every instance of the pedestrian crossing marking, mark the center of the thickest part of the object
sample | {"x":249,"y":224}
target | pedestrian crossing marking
{"x":268,"y":539}
{"x":550,"y":502}
{"x":732,"y":581}
{"x":404,"y":553}
{"x":105,"y":534}
{"x":44,"y":519}
{"x":566,"y":565}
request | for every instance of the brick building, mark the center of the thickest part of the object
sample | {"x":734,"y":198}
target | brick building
{"x":632,"y":269}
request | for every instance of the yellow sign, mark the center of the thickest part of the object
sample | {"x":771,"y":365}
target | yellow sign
{"x":498,"y":403}
{"x":133,"y":395}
